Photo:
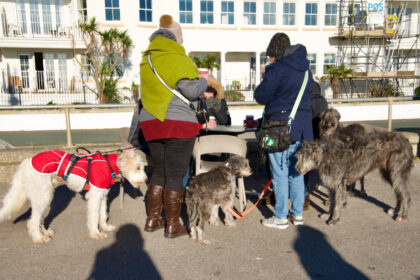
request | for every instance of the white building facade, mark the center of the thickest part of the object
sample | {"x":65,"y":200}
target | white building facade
{"x":36,"y":53}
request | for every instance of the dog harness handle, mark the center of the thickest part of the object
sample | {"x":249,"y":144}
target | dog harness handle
{"x":241,"y":215}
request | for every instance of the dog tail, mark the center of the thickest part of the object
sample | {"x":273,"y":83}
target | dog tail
{"x":191,"y":201}
{"x":16,"y":197}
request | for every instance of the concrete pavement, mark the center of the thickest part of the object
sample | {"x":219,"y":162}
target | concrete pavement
{"x":365,"y":244}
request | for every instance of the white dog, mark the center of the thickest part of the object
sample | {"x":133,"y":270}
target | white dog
{"x":35,"y":179}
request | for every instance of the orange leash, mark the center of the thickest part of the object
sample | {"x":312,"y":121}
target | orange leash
{"x":241,"y":215}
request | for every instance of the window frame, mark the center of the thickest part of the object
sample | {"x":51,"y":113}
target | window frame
{"x":249,"y":14}
{"x":289,"y":14}
{"x":227,"y":13}
{"x":115,"y":10}
{"x":146,"y":10}
{"x":330,"y":15}
{"x":207,"y":15}
{"x":185,"y":12}
{"x":270,"y":13}
{"x":328,"y":61}
{"x":312,"y":65}
{"x":311,"y":14}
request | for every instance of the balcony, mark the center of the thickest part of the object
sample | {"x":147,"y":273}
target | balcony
{"x":14,"y":35}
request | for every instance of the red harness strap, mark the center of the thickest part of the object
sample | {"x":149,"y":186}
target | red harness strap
{"x":241,"y":215}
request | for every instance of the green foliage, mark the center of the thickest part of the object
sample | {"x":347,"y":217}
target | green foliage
{"x":383,"y":89}
{"x":51,"y":103}
{"x":232,"y":95}
{"x":236,"y":84}
{"x":417,"y":91}
{"x":340,"y":72}
{"x":106,"y":51}
{"x":208,"y":61}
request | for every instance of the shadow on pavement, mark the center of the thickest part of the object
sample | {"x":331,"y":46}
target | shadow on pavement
{"x":320,"y":260}
{"x":125,"y":259}
{"x":62,"y":198}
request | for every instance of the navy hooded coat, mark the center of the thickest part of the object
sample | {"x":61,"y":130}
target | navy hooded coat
{"x":280,"y":88}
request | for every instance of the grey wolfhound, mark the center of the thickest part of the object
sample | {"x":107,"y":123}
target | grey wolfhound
{"x":330,"y":126}
{"x":340,"y":164}
{"x":208,"y":191}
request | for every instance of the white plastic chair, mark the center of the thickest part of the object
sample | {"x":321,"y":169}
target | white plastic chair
{"x":211,"y":144}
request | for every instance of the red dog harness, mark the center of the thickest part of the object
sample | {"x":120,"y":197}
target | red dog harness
{"x":103,"y":167}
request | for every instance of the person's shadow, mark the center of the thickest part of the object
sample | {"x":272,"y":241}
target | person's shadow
{"x":320,"y":260}
{"x":125,"y":259}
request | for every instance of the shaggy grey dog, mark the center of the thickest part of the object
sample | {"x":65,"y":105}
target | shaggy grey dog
{"x":330,"y":126}
{"x":211,"y":190}
{"x":340,"y":164}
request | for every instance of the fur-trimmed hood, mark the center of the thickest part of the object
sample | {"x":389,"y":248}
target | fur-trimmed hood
{"x":214,"y":83}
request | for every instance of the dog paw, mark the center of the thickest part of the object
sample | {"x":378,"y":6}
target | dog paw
{"x":48,"y":232}
{"x":108,"y":227}
{"x":391,"y":211}
{"x":204,"y":242}
{"x":98,"y":235}
{"x":43,"y":239}
{"x":214,"y":222}
{"x":324,"y":216}
{"x":232,"y":224}
{"x":400,"y":219}
{"x":332,"y":221}
{"x":193,"y":237}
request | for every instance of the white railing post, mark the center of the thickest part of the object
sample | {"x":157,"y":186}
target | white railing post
{"x":68,"y":128}
{"x":390,"y":100}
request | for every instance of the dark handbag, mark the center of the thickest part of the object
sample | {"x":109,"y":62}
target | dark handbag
{"x":274,"y":136}
{"x":201,"y":111}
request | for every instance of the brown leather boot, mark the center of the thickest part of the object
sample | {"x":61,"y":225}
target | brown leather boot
{"x":172,"y":201}
{"x":307,"y":202}
{"x":154,"y":219}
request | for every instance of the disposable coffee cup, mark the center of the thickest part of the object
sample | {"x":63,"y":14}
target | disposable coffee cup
{"x":203,"y":71}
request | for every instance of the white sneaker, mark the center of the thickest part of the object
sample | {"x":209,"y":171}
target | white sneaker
{"x":276,"y":222}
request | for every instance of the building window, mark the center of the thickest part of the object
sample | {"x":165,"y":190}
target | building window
{"x":185,"y":11}
{"x":34,"y":12}
{"x":250,"y":13}
{"x":312,"y":61}
{"x":21,"y":15}
{"x":82,"y":10}
{"x":311,"y":13}
{"x":58,"y":6}
{"x":228,"y":12}
{"x":145,"y":13}
{"x":289,"y":10}
{"x":112,"y":9}
{"x":62,"y":71}
{"x":330,"y":14}
{"x":49,"y":70}
{"x":269,"y":13}
{"x":329,"y":59}
{"x":24,"y":70}
{"x":206,"y":11}
{"x":46,"y":16}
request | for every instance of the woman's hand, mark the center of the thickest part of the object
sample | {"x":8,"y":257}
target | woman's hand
{"x":211,"y":124}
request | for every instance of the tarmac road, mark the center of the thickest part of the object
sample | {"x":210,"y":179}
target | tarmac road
{"x":365,"y":244}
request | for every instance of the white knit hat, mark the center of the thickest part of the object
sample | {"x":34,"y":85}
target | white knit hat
{"x":167,"y":22}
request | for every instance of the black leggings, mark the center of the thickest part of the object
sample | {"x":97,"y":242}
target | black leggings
{"x":170,"y":160}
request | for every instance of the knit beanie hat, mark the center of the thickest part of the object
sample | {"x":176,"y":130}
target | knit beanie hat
{"x":278,"y":44}
{"x":167,"y":22}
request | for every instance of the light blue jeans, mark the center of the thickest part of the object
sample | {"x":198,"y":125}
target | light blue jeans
{"x":287,"y":181}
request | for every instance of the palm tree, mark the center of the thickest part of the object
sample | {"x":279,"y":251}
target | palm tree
{"x":208,"y":61}
{"x":334,"y":74}
{"x":105,"y":51}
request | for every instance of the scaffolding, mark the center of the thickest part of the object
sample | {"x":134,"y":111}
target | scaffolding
{"x":379,"y":41}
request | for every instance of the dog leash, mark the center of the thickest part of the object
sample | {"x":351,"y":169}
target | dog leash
{"x":241,"y":215}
